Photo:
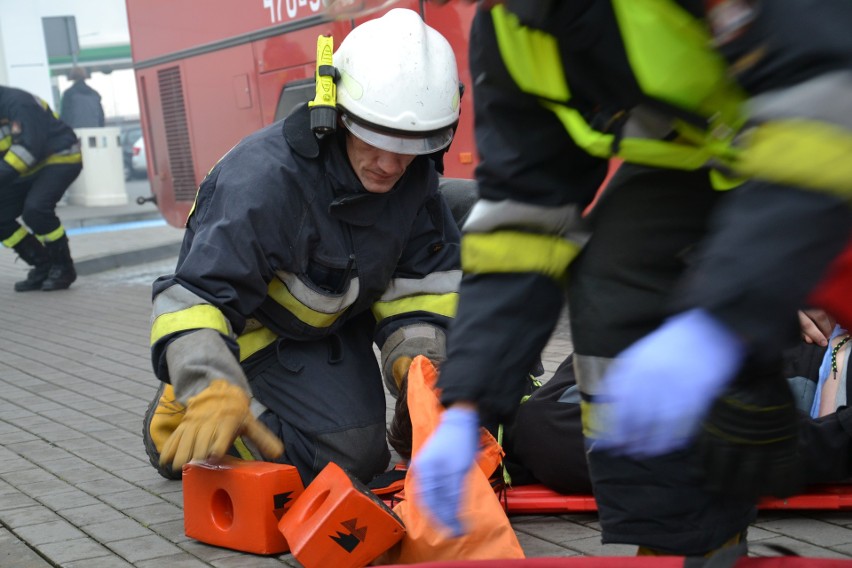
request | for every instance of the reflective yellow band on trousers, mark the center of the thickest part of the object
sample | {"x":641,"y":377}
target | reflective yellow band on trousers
{"x":514,"y":251}
{"x":16,"y":237}
{"x":442,"y":304}
{"x":201,"y":316}
{"x":54,"y":235}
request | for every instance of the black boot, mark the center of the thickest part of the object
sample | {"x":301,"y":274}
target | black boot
{"x":62,"y":272}
{"x":33,"y":253}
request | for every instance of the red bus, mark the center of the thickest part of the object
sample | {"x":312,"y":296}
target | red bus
{"x":209,"y":73}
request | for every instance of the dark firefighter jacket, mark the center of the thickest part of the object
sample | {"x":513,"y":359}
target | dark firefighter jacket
{"x":284,"y":241}
{"x":556,"y":98}
{"x":81,"y":106}
{"x":31,"y":136}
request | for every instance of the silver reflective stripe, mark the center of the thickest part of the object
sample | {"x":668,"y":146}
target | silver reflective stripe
{"x":411,"y":341}
{"x":5,"y":130}
{"x":434,"y":283}
{"x":176,"y":298}
{"x":256,"y":408}
{"x":23,"y":154}
{"x":825,"y":98}
{"x":644,"y":122}
{"x":487,"y":216}
{"x":319,"y":301}
{"x":73,"y":149}
{"x":197,"y":359}
{"x":589,"y":371}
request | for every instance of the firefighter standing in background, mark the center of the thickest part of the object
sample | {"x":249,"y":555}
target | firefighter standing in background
{"x":81,"y":105}
{"x":301,"y":253}
{"x":752,"y":97}
{"x":40,"y":159}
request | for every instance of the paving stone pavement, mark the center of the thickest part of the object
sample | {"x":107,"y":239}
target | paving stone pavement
{"x":76,"y":489}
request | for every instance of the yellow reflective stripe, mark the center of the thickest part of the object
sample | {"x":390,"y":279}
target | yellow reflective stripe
{"x":721,"y":182}
{"x":592,"y":141}
{"x":54,"y":235}
{"x":242,"y":449}
{"x":800,"y":152}
{"x":5,"y":143}
{"x":658,"y":153}
{"x":531,"y":56}
{"x":74,"y":158}
{"x":669,"y":52}
{"x":664,"y":154}
{"x":16,"y":237}
{"x":699,"y":84}
{"x":514,"y":251}
{"x":442,"y":304}
{"x":279,"y":292}
{"x":201,"y":316}
{"x":439,"y":282}
{"x":17,"y":163}
{"x":192,"y":209}
{"x":593,"y":418}
{"x":255,"y":340}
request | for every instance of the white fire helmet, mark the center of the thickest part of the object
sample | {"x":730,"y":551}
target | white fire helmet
{"x":398,"y":88}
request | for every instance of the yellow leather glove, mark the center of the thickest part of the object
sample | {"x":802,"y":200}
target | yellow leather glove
{"x":400,"y":370}
{"x":214,"y":418}
{"x":166,"y":418}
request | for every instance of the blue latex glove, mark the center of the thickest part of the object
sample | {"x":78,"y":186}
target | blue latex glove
{"x":658,"y":390}
{"x":442,"y":464}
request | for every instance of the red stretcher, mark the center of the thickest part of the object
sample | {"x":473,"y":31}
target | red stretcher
{"x":538,"y":499}
{"x":635,"y":562}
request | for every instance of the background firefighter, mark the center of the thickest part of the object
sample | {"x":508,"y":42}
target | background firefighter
{"x":40,"y":159}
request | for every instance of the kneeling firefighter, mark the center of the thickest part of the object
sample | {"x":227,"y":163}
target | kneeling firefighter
{"x":308,"y":244}
{"x":40,"y":159}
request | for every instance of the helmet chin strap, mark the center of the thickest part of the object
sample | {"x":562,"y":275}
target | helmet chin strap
{"x":324,"y":106}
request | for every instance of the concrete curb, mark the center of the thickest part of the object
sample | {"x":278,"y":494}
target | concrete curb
{"x":95,"y":265}
{"x":108,"y":219}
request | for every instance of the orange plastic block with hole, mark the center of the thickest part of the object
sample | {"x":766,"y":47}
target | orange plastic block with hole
{"x":338,"y":522}
{"x":237,"y":504}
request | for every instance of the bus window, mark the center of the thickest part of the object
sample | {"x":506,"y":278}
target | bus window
{"x":292,"y":95}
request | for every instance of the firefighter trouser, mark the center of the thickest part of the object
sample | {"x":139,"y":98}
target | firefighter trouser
{"x":34,"y":198}
{"x":644,"y":232}
{"x":326,"y":401}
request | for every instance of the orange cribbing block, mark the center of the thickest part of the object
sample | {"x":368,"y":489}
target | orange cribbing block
{"x":237,"y":504}
{"x":338,"y":522}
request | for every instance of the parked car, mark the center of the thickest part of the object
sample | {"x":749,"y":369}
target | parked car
{"x":130,"y":134}
{"x":138,"y":162}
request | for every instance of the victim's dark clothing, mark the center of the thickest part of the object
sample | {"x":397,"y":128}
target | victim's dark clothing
{"x":648,"y":256}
